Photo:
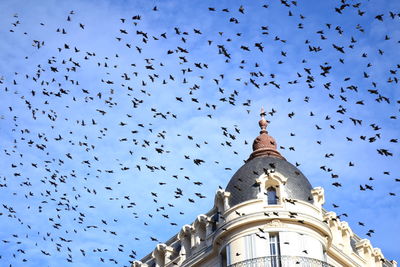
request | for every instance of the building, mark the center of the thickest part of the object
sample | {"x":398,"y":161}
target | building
{"x":268,"y":215}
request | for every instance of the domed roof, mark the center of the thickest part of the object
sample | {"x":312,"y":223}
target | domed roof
{"x":243,"y":186}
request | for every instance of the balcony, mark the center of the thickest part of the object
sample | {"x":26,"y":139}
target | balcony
{"x":281,"y":261}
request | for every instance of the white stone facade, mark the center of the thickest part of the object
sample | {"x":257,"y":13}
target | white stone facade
{"x":277,"y":221}
{"x":243,"y":232}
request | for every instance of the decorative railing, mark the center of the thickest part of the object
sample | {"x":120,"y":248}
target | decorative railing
{"x":281,"y":261}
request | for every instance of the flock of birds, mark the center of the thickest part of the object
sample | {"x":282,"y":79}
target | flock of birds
{"x":114,"y":127}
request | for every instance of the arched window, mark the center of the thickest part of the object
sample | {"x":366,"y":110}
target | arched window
{"x":272,"y":196}
{"x":271,"y":188}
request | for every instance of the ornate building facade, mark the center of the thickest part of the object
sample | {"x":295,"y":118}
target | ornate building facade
{"x":268,"y":215}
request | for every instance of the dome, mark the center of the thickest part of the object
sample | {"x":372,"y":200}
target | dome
{"x":242,"y":185}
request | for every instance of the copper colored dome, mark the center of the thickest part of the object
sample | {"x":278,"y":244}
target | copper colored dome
{"x":264,"y":144}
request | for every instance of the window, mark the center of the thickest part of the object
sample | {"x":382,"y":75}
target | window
{"x":226,"y":256}
{"x":250,"y":249}
{"x":272,"y":196}
{"x":274,"y":250}
{"x":250,"y":246}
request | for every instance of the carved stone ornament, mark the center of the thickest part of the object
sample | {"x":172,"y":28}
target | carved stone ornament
{"x":274,"y":223}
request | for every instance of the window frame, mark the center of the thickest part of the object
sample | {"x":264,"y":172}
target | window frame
{"x":274,"y":199}
{"x":274,"y":245}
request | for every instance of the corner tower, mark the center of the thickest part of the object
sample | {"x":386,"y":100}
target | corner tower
{"x":268,"y":215}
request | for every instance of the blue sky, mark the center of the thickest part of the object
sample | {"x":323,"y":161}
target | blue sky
{"x":100,"y":108}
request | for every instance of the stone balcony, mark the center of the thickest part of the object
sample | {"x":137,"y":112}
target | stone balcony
{"x":281,"y":261}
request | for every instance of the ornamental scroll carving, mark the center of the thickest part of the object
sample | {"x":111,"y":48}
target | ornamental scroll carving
{"x":274,"y":223}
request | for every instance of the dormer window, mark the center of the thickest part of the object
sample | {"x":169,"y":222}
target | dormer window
{"x":271,"y":188}
{"x":272,"y":196}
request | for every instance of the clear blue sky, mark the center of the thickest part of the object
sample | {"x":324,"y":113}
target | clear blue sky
{"x":106,"y":102}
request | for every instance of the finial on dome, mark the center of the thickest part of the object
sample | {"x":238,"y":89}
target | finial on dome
{"x":264,"y":144}
{"x":263,"y":122}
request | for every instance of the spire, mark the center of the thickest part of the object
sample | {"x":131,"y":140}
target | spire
{"x":263,"y":122}
{"x":264,"y":144}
